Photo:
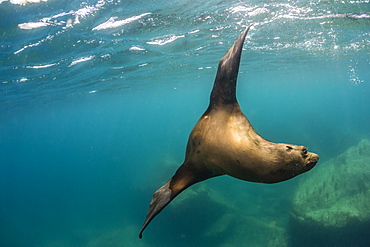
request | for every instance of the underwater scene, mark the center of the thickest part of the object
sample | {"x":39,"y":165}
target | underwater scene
{"x":98,"y":98}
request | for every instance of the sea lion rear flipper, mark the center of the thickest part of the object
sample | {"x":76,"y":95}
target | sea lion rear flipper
{"x":161,"y":198}
{"x":224,"y":88}
{"x":184,"y":177}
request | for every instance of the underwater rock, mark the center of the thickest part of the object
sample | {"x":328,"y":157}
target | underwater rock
{"x":332,"y":202}
{"x":252,"y":219}
{"x":189,"y":218}
{"x":204,"y":216}
{"x":119,"y":237}
{"x":255,"y":231}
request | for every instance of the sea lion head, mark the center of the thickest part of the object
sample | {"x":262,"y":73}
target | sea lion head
{"x":294,"y":160}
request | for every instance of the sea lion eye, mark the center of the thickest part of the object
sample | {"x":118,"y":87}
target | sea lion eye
{"x":304,"y":151}
{"x":289,"y":148}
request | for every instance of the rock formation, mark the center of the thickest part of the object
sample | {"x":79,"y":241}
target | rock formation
{"x":332,"y":203}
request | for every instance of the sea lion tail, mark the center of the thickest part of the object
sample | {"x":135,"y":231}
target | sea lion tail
{"x":184,"y":177}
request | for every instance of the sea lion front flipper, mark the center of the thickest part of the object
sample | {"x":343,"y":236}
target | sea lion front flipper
{"x":185,"y":176}
{"x":224,"y":88}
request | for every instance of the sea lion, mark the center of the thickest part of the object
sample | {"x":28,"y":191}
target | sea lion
{"x":224,"y":142}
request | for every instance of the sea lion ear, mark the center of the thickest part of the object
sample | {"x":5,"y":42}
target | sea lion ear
{"x":288,"y":148}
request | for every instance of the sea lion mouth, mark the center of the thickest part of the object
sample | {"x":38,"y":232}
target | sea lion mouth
{"x":310,"y":165}
{"x":312,"y":160}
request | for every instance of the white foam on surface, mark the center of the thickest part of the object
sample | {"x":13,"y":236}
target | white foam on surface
{"x":40,"y":66}
{"x":23,"y":2}
{"x":32,"y":25}
{"x":80,"y":60}
{"x":136,"y":48}
{"x":165,"y":40}
{"x":53,"y":20}
{"x":114,"y":23}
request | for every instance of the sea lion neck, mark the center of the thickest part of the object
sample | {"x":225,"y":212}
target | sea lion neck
{"x":224,"y":88}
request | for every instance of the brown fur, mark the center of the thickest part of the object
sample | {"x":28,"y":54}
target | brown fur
{"x":224,"y":142}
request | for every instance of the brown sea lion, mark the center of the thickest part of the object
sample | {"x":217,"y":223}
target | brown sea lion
{"x":224,"y":142}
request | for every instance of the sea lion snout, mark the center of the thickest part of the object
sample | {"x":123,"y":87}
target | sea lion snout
{"x":312,"y":160}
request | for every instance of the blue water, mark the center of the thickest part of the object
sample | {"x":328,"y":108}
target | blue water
{"x":97,"y":99}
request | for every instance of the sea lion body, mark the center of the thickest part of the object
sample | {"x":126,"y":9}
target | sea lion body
{"x":224,"y":142}
{"x":240,"y":152}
